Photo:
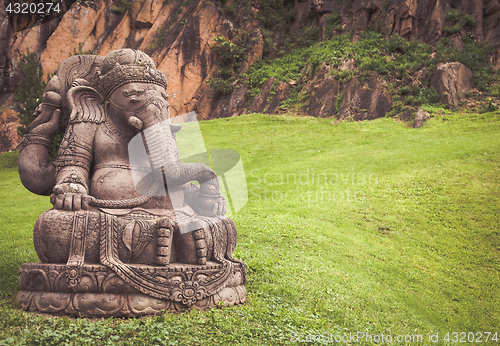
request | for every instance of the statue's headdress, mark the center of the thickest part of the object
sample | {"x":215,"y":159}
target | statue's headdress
{"x":123,"y":66}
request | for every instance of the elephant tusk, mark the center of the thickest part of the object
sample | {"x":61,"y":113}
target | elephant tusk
{"x":135,"y":122}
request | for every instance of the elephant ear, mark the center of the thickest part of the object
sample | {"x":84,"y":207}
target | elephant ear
{"x":85,"y":104}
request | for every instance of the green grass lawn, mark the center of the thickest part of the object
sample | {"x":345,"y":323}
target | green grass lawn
{"x":369,"y":227}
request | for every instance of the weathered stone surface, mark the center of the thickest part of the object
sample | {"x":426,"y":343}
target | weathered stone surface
{"x":401,"y":17}
{"x":364,"y":100}
{"x":491,"y":16}
{"x":259,"y":103}
{"x":178,"y":35}
{"x":117,"y":38}
{"x":74,"y":28}
{"x":231,"y":105}
{"x":420,"y":118}
{"x":280,"y":95}
{"x":254,"y":53}
{"x":323,"y":98}
{"x":430,"y":21}
{"x":301,"y":9}
{"x":365,"y":13}
{"x":202,"y":102}
{"x":9,"y":122}
{"x":189,"y":61}
{"x":452,"y":81}
{"x":144,"y":13}
{"x":101,"y":293}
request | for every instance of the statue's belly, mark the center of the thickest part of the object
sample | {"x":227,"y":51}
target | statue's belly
{"x":113,"y":184}
{"x":118,"y":184}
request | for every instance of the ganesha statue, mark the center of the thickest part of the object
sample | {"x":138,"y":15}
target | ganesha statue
{"x":125,"y":237}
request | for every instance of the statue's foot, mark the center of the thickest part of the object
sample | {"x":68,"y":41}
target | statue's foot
{"x":165,"y":230}
{"x":201,"y":246}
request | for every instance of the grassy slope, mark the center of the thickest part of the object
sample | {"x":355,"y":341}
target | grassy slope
{"x":403,"y":236}
{"x":19,"y":208}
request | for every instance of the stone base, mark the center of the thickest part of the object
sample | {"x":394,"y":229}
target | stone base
{"x":101,"y":293}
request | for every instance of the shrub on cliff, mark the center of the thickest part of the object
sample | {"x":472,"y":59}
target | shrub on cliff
{"x":232,"y":56}
{"x":29,"y":92}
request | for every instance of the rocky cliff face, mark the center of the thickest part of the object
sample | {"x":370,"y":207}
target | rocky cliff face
{"x":179,"y":36}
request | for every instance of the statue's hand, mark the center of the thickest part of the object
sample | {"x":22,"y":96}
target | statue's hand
{"x":70,"y":196}
{"x":210,"y":205}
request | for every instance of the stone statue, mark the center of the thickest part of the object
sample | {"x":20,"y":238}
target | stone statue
{"x":115,"y":245}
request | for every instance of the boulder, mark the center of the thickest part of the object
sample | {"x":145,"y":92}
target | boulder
{"x":348,"y":65}
{"x":365,"y":100}
{"x":452,"y":81}
{"x":9,"y":139}
{"x":420,"y":118}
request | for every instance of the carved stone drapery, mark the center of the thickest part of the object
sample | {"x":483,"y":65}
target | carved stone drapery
{"x":102,"y":293}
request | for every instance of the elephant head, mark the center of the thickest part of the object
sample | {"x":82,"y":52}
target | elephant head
{"x":143,"y":110}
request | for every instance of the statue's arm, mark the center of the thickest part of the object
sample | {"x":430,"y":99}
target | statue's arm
{"x":36,"y":171}
{"x":74,"y":159}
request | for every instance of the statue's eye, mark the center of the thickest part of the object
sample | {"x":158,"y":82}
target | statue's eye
{"x":128,"y":93}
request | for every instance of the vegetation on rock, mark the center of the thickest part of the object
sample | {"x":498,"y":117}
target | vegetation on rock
{"x":232,"y":56}
{"x":406,"y":65}
{"x":29,"y":91}
{"x":29,"y":94}
{"x":233,"y":45}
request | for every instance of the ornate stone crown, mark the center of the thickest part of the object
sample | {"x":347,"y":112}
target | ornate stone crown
{"x":123,"y":66}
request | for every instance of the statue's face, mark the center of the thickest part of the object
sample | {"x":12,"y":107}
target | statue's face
{"x":132,"y":96}
{"x":130,"y":99}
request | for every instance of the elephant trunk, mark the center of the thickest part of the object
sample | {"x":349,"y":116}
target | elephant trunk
{"x":162,"y":152}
